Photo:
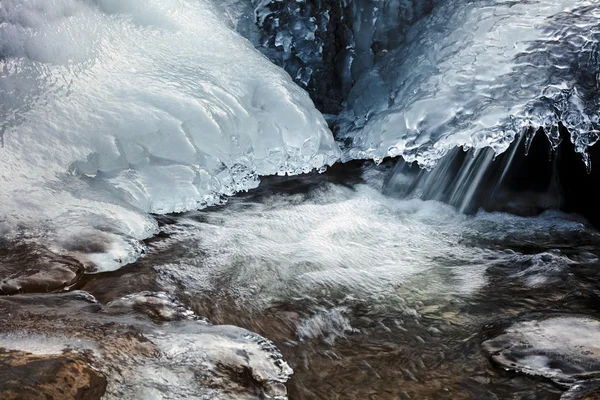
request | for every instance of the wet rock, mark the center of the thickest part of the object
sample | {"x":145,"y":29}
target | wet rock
{"x":25,"y":376}
{"x":586,"y":390}
{"x":148,"y":345}
{"x":159,"y":306}
{"x":561,"y":347}
{"x":27,"y":269}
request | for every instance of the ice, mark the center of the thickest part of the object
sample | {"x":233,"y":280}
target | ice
{"x":157,"y":305}
{"x":327,"y":45}
{"x":110,"y":110}
{"x":560,"y":347}
{"x":475,"y":74}
{"x":376,"y":27}
{"x":293,"y":35}
{"x":582,"y":390}
{"x":240,"y":14}
{"x":175,"y":354}
{"x":42,"y":344}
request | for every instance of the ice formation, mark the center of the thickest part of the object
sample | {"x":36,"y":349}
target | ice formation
{"x":110,"y":110}
{"x":296,"y":31}
{"x":560,"y":347}
{"x":475,"y":74}
{"x":327,"y":45}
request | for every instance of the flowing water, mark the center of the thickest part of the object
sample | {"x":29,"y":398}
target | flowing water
{"x":367,"y":295}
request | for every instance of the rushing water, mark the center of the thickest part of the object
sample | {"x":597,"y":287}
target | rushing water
{"x":366,"y":295}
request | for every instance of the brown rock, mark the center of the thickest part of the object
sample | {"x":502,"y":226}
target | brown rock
{"x":26,"y":376}
{"x":29,"y":269}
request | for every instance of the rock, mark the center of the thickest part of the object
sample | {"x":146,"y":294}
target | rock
{"x":159,"y":306}
{"x":25,"y":376}
{"x":27,"y":269}
{"x":148,"y":345}
{"x":561,"y":347}
{"x":586,"y":390}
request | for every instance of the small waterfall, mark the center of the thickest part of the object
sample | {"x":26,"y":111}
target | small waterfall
{"x":528,"y":178}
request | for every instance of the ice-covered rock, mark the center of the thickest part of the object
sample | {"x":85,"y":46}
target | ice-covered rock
{"x":475,"y":73}
{"x":160,"y":357}
{"x":584,"y":390}
{"x":159,"y":306}
{"x":110,"y":110}
{"x":560,"y":347}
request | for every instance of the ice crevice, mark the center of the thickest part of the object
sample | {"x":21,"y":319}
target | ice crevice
{"x":417,"y":78}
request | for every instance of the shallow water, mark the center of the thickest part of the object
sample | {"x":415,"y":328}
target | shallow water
{"x":366,"y":295}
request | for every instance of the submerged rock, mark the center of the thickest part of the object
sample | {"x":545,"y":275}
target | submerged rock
{"x":31,"y":377}
{"x":560,"y":347}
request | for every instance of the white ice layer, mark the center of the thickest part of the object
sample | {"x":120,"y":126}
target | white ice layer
{"x":560,"y":347}
{"x":112,"y":109}
{"x":475,"y":73}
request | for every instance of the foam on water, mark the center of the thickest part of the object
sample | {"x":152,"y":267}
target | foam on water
{"x":110,"y":110}
{"x":345,"y":245}
{"x":325,"y":324}
{"x":347,"y":240}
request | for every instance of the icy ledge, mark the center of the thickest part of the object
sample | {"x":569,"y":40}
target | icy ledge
{"x":110,"y":110}
{"x":477,"y":73}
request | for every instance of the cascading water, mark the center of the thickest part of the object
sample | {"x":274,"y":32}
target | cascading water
{"x":116,"y":115}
